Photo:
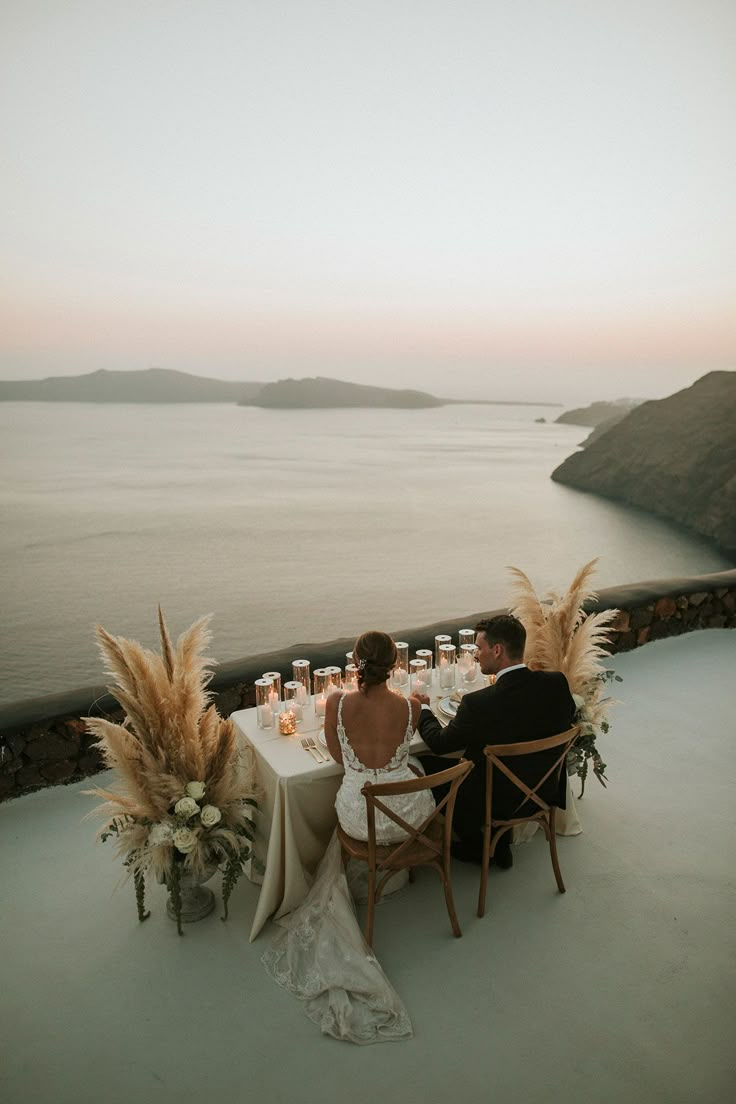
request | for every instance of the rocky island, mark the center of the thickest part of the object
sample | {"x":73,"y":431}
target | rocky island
{"x":149,"y":385}
{"x":675,"y":457}
{"x":321,"y":392}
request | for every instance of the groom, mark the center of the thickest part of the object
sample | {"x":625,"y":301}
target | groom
{"x":522,"y":705}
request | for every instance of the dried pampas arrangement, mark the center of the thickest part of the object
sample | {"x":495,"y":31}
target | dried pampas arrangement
{"x":185,"y":792}
{"x":561,"y":636}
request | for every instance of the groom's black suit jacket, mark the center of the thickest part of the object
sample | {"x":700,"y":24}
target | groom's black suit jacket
{"x":522,"y":705}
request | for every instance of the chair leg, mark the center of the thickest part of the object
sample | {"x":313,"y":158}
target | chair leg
{"x":553,"y":850}
{"x":371,"y":906}
{"x":485,"y":863}
{"x":449,"y":900}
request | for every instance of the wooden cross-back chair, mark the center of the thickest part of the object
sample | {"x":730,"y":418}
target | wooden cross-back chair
{"x":428,"y":844}
{"x":543,"y":813}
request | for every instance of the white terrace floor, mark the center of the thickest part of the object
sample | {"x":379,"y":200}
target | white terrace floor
{"x":620,"y":990}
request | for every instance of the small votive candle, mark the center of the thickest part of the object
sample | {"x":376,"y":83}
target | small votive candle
{"x":287,"y":722}
{"x":320,"y":704}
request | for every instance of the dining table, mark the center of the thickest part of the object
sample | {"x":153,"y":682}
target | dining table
{"x":296,"y":815}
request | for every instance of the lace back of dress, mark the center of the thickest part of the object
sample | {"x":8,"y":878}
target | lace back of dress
{"x":350,"y":758}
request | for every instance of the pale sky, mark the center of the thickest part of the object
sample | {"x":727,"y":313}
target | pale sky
{"x":492,"y":198}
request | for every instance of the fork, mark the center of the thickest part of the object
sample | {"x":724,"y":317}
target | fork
{"x":309,"y":745}
{"x":320,"y":751}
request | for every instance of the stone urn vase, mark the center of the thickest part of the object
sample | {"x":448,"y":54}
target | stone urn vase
{"x":197,"y":899}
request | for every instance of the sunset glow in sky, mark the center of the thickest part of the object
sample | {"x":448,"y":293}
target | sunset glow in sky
{"x":476,"y":197}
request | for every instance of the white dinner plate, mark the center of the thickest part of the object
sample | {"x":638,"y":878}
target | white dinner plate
{"x":448,"y":707}
{"x":321,"y":737}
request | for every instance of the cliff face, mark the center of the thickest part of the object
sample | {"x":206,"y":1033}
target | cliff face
{"x":675,"y":457}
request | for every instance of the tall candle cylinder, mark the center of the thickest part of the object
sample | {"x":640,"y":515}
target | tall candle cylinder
{"x":447,"y":666}
{"x":400,"y":673}
{"x":418,"y":671}
{"x":428,"y":656}
{"x":439,"y":641}
{"x":467,"y":664}
{"x":300,"y":672}
{"x":334,"y":679}
{"x":274,"y":698}
{"x":291,"y":698}
{"x":264,"y":712}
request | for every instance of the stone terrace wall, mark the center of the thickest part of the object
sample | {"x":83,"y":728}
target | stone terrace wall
{"x":44,"y":741}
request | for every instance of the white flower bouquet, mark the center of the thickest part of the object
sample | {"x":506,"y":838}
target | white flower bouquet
{"x":185,"y":797}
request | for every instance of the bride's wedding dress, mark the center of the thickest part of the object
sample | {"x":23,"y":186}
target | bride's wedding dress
{"x":320,"y":954}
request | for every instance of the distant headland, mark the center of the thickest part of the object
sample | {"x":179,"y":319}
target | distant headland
{"x":165,"y":385}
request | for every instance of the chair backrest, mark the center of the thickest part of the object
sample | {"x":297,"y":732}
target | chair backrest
{"x":496,"y":753}
{"x":374,"y":792}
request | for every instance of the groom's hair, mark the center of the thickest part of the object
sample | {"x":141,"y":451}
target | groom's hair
{"x":506,"y":630}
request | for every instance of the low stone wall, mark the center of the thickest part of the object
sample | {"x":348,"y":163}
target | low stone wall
{"x":44,"y":741}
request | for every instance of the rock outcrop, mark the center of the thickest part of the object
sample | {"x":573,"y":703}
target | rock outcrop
{"x":675,"y":457}
{"x":598,"y":413}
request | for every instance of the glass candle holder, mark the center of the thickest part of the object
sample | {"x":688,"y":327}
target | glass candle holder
{"x":300,"y":673}
{"x":400,"y":673}
{"x":334,"y":679}
{"x":467,"y":662}
{"x":320,"y":690}
{"x":439,"y":640}
{"x":349,"y":657}
{"x":275,"y":696}
{"x":446,"y":666}
{"x":291,"y":698}
{"x":465,"y":636}
{"x":287,"y":722}
{"x":428,"y":656}
{"x":350,"y":682}
{"x":418,"y":675}
{"x":264,"y":711}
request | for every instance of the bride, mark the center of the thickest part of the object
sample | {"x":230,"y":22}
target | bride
{"x":320,"y":954}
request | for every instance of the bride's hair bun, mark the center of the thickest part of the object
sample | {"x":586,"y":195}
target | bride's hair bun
{"x":375,"y":655}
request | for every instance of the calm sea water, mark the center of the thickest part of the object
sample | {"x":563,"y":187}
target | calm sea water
{"x":288,"y":526}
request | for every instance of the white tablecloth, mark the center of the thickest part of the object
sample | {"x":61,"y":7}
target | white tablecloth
{"x":297,"y":817}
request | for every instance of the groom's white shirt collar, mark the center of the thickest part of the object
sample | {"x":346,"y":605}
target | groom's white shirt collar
{"x":516,"y":667}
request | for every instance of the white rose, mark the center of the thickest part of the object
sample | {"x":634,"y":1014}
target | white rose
{"x":210,"y":816}
{"x":184,"y":840}
{"x":186,"y":807}
{"x":195,"y":790}
{"x":159,"y":834}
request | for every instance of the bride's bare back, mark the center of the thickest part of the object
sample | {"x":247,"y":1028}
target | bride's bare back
{"x":374,"y":720}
